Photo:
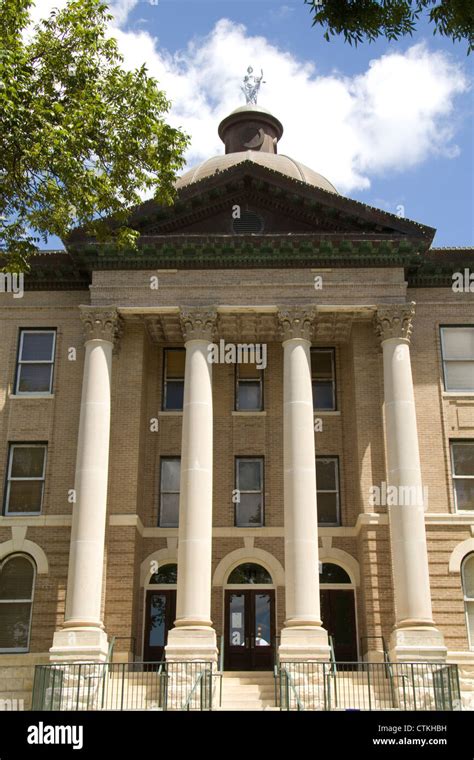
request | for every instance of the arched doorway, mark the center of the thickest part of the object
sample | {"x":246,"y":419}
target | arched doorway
{"x":160,"y":611}
{"x":338,"y":610}
{"x":249,"y":628}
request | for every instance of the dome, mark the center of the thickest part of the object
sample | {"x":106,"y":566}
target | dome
{"x":251,"y":133}
{"x":276,"y":161}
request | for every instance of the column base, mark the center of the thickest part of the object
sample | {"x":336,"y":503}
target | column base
{"x":191,"y":643}
{"x":304,"y":643}
{"x":79,"y":645}
{"x":417,"y":643}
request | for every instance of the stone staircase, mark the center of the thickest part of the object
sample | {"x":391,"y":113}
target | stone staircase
{"x":253,"y":690}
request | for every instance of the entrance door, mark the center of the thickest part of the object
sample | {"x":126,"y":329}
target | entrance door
{"x":338,"y":617}
{"x":249,"y":629}
{"x":159,"y":618}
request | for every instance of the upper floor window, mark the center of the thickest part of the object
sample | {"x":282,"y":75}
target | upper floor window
{"x":249,"y":492}
{"x":25,"y":478}
{"x":169,"y":492}
{"x":462,"y":462}
{"x":327,"y":483}
{"x":457,"y":346}
{"x":468,"y":590}
{"x":324,"y":379}
{"x":249,"y":388}
{"x":173,"y":389}
{"x":35,"y":363}
{"x":17,"y":579}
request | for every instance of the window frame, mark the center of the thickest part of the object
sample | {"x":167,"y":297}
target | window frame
{"x":332,"y":457}
{"x":261,"y":461}
{"x":467,"y":600}
{"x":460,"y":391}
{"x":454,"y":477}
{"x":4,"y":650}
{"x":20,"y":362}
{"x":168,"y":458}
{"x":238,"y":380}
{"x":8,"y":480}
{"x":332,"y":351}
{"x":164,"y":406}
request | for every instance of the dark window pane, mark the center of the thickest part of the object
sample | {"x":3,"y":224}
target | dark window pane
{"x":333,"y":574}
{"x":458,"y":342}
{"x":464,"y":493}
{"x":158,"y":620}
{"x":321,"y":364}
{"x":175,"y":361}
{"x":463,"y":456}
{"x":14,"y":625}
{"x":34,"y":378}
{"x":28,"y":462}
{"x":237,"y":620}
{"x":174,"y":395}
{"x":327,"y":508}
{"x":169,"y":512}
{"x":249,"y":475}
{"x":249,"y":511}
{"x":16,"y":579}
{"x":468,"y":576}
{"x":459,"y":376}
{"x":170,"y":473}
{"x":326,"y":479}
{"x":262,"y":620}
{"x":323,"y":395}
{"x":249,"y":572}
{"x":25,"y":496}
{"x":37,"y":346}
{"x":165,"y":574}
{"x":249,"y":396}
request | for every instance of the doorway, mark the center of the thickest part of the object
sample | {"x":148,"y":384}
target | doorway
{"x":160,"y":612}
{"x":249,"y":628}
{"x":338,"y":611}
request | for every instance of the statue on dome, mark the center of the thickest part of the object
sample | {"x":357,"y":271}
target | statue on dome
{"x":251,"y":86}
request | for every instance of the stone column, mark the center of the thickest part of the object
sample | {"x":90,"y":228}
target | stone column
{"x":303,"y":637}
{"x":193,"y":637}
{"x":82,"y":636}
{"x":415,"y":636}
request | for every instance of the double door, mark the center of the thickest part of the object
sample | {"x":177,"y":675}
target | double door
{"x":249,"y":629}
{"x":160,"y":615}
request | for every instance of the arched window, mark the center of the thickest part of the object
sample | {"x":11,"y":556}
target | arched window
{"x":166,"y":574}
{"x":468,"y":589}
{"x":332,"y":573}
{"x":17,"y":580}
{"x":249,"y":573}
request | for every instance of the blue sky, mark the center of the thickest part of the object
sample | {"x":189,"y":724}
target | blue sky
{"x":390,"y":124}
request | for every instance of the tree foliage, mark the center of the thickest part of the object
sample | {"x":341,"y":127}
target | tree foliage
{"x":361,"y":20}
{"x":81,"y":138}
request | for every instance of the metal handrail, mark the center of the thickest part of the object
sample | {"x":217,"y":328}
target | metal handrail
{"x":198,"y":682}
{"x":289,"y":682}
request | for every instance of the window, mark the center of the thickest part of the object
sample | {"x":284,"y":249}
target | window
{"x":467,"y":571}
{"x":26,"y":473}
{"x":173,"y":394}
{"x":462,"y":463}
{"x":35,"y":363}
{"x":249,"y":573}
{"x":166,"y":574}
{"x":169,"y":492}
{"x":331,"y":573}
{"x":249,"y":388}
{"x":327,"y":483}
{"x":249,"y":497}
{"x":457,"y":346}
{"x":17,"y":577}
{"x":324,"y":379}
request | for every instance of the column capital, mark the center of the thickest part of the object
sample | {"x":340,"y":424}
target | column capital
{"x":394,"y":321}
{"x":198,"y":324}
{"x":296,"y":323}
{"x":101,"y":324}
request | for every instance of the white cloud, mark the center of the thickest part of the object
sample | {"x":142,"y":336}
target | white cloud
{"x":395,"y":115}
{"x":390,"y":118}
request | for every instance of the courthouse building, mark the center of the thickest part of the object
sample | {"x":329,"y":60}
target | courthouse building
{"x":253,"y":435}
